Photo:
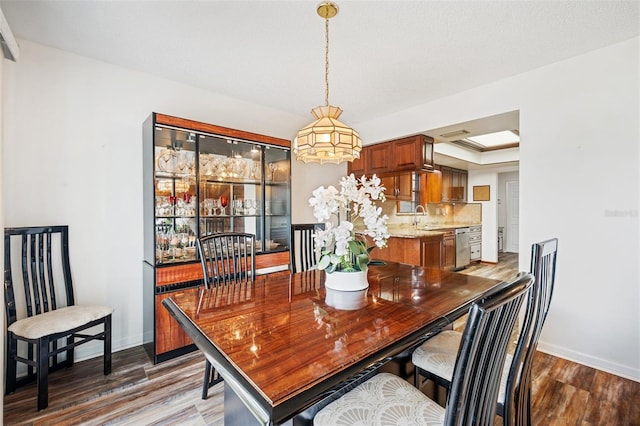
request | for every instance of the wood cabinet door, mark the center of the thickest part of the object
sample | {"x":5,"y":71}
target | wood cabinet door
{"x":431,"y":252}
{"x":359,"y":166}
{"x":407,"y":153}
{"x":391,"y":190}
{"x":404,"y":186}
{"x":169,"y":334}
{"x":449,"y":251}
{"x":431,"y":187}
{"x":446,"y":183}
{"x":379,"y":158}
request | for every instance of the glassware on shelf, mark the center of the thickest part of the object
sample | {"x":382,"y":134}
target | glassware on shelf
{"x":224,"y":202}
{"x":207,"y":206}
{"x":273,"y":168}
{"x":255,"y":171}
{"x":250,"y":206}
{"x":166,"y":160}
{"x":238,"y":207}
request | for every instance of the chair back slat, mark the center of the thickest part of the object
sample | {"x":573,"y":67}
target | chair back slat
{"x":478,"y":369}
{"x":44,"y":269}
{"x":303,"y":253}
{"x":518,"y":391}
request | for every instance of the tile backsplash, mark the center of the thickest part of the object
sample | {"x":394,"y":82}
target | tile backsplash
{"x":437,"y":213}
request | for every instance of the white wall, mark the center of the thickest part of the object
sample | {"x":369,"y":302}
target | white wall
{"x":73,"y":155}
{"x":579,"y":181}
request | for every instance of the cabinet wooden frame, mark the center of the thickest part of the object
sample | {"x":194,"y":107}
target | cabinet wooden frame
{"x":167,"y":339}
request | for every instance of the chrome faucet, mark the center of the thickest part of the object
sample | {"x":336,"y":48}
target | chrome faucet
{"x":415,"y":214}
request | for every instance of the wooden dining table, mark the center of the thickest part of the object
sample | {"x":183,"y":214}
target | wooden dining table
{"x":287,"y":346}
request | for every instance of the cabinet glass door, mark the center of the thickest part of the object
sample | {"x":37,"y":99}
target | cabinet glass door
{"x":277,"y":200}
{"x":175,"y":195}
{"x":230,"y":175}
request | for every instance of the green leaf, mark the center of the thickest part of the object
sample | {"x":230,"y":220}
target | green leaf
{"x":363,"y":261}
{"x":355,"y":247}
{"x":324,"y":262}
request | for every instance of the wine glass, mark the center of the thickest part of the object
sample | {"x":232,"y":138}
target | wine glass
{"x":224,"y":202}
{"x":215,"y":207}
{"x":207,"y":204}
{"x":238,"y":207}
{"x":273,"y":168}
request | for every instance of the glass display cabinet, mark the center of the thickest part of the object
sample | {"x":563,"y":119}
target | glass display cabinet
{"x":201,"y":179}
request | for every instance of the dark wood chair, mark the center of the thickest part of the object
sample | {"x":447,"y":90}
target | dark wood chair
{"x":303,"y":255}
{"x":228,"y":259}
{"x":516,"y":409}
{"x":45,"y":317}
{"x":388,"y":399}
{"x":435,"y":359}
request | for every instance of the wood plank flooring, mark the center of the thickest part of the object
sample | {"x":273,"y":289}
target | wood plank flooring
{"x":139,"y":393}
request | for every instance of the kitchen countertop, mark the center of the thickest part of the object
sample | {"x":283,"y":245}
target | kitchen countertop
{"x":425,"y":230}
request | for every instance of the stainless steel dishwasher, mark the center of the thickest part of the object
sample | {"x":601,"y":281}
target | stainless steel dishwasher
{"x":463,"y":250}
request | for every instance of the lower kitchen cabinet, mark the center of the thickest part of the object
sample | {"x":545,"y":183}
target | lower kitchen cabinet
{"x":422,"y":251}
{"x":449,"y":250}
{"x":475,"y":242}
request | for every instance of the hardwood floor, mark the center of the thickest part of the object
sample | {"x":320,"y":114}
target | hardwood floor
{"x":139,"y":393}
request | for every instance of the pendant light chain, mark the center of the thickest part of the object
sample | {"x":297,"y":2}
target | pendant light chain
{"x":326,"y":62}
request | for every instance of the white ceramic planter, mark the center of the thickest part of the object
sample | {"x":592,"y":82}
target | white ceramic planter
{"x":346,"y":281}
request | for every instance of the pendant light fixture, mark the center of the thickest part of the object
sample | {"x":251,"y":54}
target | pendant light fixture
{"x":327,"y":140}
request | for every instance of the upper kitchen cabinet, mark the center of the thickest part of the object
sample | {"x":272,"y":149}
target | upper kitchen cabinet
{"x":413,"y":153}
{"x":359,"y":165}
{"x":399,"y":186}
{"x":454,"y":184}
{"x":379,"y":159}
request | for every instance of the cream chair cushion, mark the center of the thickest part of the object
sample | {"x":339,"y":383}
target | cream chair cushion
{"x":438,"y":356}
{"x":58,"y":321}
{"x":385,"y":399}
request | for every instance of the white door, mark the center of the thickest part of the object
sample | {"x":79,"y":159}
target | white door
{"x":513,"y":216}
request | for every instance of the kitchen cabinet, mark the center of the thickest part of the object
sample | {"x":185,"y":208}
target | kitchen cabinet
{"x":454,"y":184}
{"x":430,"y":187}
{"x":359,"y":165}
{"x":413,"y":153}
{"x":399,"y":186}
{"x":422,"y":251}
{"x":200,"y":179}
{"x":379,"y":159}
{"x":475,"y":242}
{"x":449,"y":249}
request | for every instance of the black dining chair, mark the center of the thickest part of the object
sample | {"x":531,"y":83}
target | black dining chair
{"x":228,"y":260}
{"x":303,"y":254}
{"x":435,"y":359}
{"x":44,"y":315}
{"x":387,"y":399}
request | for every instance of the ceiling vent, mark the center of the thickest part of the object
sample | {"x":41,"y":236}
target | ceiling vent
{"x":466,"y":143}
{"x":455,"y":134}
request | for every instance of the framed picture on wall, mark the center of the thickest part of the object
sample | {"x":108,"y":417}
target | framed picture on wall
{"x":481,"y":193}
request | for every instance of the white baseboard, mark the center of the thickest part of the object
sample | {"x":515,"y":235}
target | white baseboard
{"x":590,"y":361}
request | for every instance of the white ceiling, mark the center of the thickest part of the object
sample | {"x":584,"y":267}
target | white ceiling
{"x":385,"y":56}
